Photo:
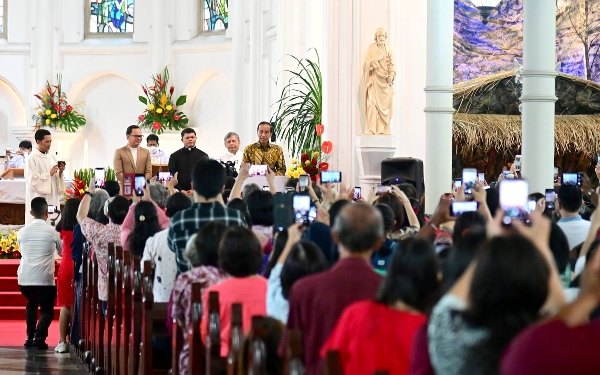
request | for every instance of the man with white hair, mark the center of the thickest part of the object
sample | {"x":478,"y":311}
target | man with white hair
{"x":232,"y":143}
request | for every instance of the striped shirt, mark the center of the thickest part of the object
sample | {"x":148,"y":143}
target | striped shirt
{"x":187,"y":222}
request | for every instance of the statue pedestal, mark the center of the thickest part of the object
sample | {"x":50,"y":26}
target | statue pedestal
{"x":371,"y":151}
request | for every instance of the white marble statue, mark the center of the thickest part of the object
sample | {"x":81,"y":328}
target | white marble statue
{"x":379,"y":75}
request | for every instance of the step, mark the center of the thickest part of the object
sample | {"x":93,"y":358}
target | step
{"x":18,"y":313}
{"x":8,"y":267}
{"x":8,"y":284}
{"x":12,"y":299}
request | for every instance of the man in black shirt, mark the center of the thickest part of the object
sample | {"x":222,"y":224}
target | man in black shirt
{"x":183,"y":160}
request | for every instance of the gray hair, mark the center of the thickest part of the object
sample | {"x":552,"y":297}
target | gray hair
{"x":97,"y":203}
{"x":231,"y":134}
{"x":190,"y":254}
{"x":159,"y":194}
{"x":249,"y":188}
{"x":359,"y":226}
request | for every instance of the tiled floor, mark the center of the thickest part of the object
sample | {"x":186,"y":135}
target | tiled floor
{"x":15,"y":361}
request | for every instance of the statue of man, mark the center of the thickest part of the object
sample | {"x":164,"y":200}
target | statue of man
{"x":379,"y":75}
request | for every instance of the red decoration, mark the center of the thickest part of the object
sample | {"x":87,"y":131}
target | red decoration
{"x":69,"y":108}
{"x":176,"y":117}
{"x":303,"y":157}
{"x":327,"y":146}
{"x":156,"y":125}
{"x":320,"y":129}
{"x":323,"y":166}
{"x":314,"y":162}
{"x":141,"y":117}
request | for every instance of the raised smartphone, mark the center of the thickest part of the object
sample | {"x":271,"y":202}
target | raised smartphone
{"x":139,"y":184}
{"x":357,"y":193}
{"x":331,"y":176}
{"x":99,"y":178}
{"x":513,"y":199}
{"x":469,"y":179}
{"x":459,"y":208}
{"x":303,"y":182}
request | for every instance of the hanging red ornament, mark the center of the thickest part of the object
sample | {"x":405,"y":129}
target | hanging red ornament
{"x":327,"y":146}
{"x":320,"y":129}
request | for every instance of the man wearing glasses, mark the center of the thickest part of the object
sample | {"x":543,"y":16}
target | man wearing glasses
{"x":132,"y":158}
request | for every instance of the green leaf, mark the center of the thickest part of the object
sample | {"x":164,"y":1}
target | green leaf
{"x":143,"y":99}
{"x":181,"y":100}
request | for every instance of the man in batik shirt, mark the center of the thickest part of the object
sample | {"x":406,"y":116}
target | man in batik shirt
{"x":263,"y":152}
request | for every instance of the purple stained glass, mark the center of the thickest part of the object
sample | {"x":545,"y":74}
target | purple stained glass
{"x":111,"y":16}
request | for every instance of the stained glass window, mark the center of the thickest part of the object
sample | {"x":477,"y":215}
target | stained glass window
{"x":216,"y":15}
{"x":2,"y":16}
{"x":111,"y":16}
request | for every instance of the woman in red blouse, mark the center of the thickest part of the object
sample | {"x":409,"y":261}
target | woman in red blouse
{"x":378,"y":335}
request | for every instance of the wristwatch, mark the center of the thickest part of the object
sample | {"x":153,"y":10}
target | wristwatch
{"x":89,"y":193}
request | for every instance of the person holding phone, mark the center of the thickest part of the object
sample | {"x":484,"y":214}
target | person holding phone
{"x":44,"y":174}
{"x":264,"y":152}
{"x":132,"y":158}
{"x":18,"y":160}
{"x":183,"y":160}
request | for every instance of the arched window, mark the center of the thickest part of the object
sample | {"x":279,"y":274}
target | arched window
{"x":109,"y":17}
{"x":214,"y":15}
{"x":3,"y":14}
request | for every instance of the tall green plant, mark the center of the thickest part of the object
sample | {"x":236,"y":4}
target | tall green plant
{"x":300,"y":107}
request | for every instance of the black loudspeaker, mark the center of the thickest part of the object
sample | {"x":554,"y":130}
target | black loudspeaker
{"x":403,"y":170}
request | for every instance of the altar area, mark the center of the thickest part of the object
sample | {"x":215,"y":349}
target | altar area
{"x":12,"y":202}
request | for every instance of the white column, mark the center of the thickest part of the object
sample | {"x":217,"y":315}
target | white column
{"x":539,"y":57}
{"x":439,"y":110}
{"x":159,"y":46}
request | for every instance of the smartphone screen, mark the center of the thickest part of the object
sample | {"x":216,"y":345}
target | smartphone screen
{"x":357,"y":193}
{"x":469,"y":178}
{"x":598,"y":160}
{"x":99,"y":178}
{"x":458,"y":208}
{"x":550,"y":198}
{"x":381,"y":189}
{"x":301,"y":205}
{"x":513,"y":199}
{"x":518,"y":163}
{"x":139,"y":184}
{"x":457,"y":183}
{"x":571,"y":179}
{"x":312,"y":214}
{"x":51,"y":209}
{"x":481,"y":177}
{"x":258,"y":170}
{"x":303,"y":182}
{"x":531,"y":205}
{"x":164,"y":177}
{"x":331,"y":176}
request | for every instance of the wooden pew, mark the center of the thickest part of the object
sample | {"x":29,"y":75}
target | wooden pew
{"x":215,"y":364}
{"x":295,"y":353}
{"x":99,"y":359}
{"x":110,"y":311}
{"x":128,"y":272}
{"x":176,"y":345}
{"x":257,"y":355}
{"x":94,"y":319}
{"x":115,"y":343}
{"x":133,"y":360}
{"x":236,"y":341}
{"x":84,"y":319}
{"x":332,"y":363}
{"x":197,"y":351}
{"x":154,"y":318}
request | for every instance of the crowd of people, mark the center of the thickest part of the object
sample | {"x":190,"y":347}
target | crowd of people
{"x":372,"y":278}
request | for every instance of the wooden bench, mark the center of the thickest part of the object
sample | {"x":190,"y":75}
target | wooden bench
{"x":215,"y":364}
{"x":136,"y":319}
{"x":237,"y":340}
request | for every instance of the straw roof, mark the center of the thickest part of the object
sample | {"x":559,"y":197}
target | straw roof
{"x":577,"y":134}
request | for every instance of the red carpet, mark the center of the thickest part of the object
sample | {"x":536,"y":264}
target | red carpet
{"x":14,"y":332}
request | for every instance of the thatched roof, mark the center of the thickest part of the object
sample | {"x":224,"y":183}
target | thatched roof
{"x":577,"y":134}
{"x":498,"y":94}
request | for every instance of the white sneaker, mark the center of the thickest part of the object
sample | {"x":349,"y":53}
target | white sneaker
{"x":62,"y":347}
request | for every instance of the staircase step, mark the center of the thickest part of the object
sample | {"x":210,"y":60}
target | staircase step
{"x":12,"y":299}
{"x":8,"y":284}
{"x":8,"y":267}
{"x":18,"y":313}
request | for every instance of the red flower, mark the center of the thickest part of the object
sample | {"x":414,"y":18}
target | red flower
{"x":171,"y":90}
{"x":313,"y":162}
{"x":69,"y":108}
{"x":141,"y":118}
{"x":303,"y":157}
{"x":156,"y":125}
{"x":64,"y":114}
{"x":176,"y":117}
{"x":323,"y":166}
{"x":37,"y":96}
{"x":320,"y":129}
{"x":145,"y":91}
{"x":16,"y":254}
{"x":56,"y":107}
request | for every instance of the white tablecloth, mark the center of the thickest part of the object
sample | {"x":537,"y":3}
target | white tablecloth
{"x":12,"y":191}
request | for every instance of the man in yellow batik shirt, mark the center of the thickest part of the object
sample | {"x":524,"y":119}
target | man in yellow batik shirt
{"x":263,"y":152}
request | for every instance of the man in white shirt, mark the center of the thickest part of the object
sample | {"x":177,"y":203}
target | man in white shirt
{"x":18,"y":159}
{"x":44,"y":176}
{"x":157,"y":155}
{"x":575,"y":228}
{"x":232,"y":143}
{"x":37,"y":243}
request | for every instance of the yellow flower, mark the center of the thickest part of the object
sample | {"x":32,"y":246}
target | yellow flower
{"x":159,"y":110}
{"x":307,"y":163}
{"x":169,"y":107}
{"x":81,"y":191}
{"x":40,"y":113}
{"x":151,"y":107}
{"x":48,"y":121}
{"x":48,"y":111}
{"x":53,"y":115}
{"x":163,"y":100}
{"x":315,"y":154}
{"x":296,"y":174}
{"x":288,"y":174}
{"x":294,"y":161}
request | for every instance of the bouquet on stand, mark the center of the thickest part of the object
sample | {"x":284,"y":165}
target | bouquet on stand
{"x":9,"y":246}
{"x":310,"y":163}
{"x":161,"y":113}
{"x":53,"y":110}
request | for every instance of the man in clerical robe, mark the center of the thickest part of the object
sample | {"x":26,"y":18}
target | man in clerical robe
{"x":379,"y":75}
{"x":44,"y":176}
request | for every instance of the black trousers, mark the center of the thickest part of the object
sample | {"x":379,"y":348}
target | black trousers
{"x":41,"y":296}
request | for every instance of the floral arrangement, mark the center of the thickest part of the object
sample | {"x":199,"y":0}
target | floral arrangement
{"x":9,"y":246}
{"x":54,"y":111}
{"x":160,"y":112}
{"x":310,"y":163}
{"x":82,"y":178}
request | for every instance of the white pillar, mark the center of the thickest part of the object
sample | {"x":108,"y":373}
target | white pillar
{"x":538,"y":98}
{"x":159,"y":36}
{"x":439,"y":110}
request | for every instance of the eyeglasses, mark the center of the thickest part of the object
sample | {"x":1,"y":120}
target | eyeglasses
{"x":138,"y":136}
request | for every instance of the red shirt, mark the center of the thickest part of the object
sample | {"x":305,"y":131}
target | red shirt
{"x":371,"y":336}
{"x":317,"y":301}
{"x":554,"y":348}
{"x":420,"y":364}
